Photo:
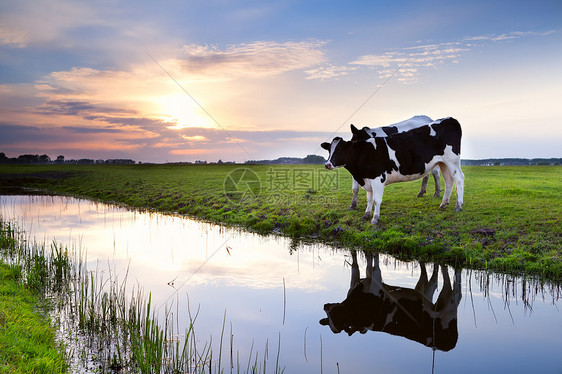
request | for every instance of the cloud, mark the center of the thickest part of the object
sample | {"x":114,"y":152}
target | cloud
{"x":384,"y":60}
{"x":29,"y":23}
{"x":408,"y":63}
{"x":257,"y":59}
{"x":11,"y":134}
{"x":508,"y":36}
{"x":199,"y":152}
{"x":76,"y":141}
{"x":242,"y":145}
{"x":196,"y":138}
{"x":12,"y":37}
{"x":90,"y":82}
{"x":78,"y":108}
{"x":329,"y":72}
{"x":91,"y":130}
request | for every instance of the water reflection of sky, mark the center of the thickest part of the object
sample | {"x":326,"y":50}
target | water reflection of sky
{"x":269,"y":293}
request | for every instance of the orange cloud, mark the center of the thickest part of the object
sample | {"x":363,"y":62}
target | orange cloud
{"x":191,"y":152}
{"x":196,"y":138}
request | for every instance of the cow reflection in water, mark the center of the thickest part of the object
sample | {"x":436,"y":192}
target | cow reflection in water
{"x":374,"y":305}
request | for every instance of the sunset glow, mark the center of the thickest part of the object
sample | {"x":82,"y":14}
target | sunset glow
{"x":182,"y":114}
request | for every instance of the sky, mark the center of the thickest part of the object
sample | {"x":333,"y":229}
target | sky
{"x":173,"y":81}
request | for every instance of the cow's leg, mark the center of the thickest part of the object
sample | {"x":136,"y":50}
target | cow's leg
{"x":434,"y":277}
{"x":423,"y":187}
{"x":376,"y":275}
{"x":421,"y":286}
{"x":435,"y":173}
{"x":458,"y":177}
{"x":355,"y":189}
{"x":444,"y":298}
{"x":457,"y":294}
{"x":377,"y":269}
{"x":449,"y":299}
{"x":354,"y":269}
{"x":369,"y":209}
{"x":425,"y":287}
{"x":369,"y":268}
{"x":445,"y":171}
{"x":355,"y":276}
{"x":432,"y":284}
{"x":378,"y":188}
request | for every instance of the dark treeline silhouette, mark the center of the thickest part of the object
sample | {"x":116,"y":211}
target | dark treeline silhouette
{"x":310,"y":159}
{"x":314,"y":159}
{"x":44,"y":159}
{"x":513,"y":161}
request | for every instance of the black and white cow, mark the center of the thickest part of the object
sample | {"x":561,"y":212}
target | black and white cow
{"x":377,"y":162}
{"x":383,"y":132}
{"x":372,"y":305}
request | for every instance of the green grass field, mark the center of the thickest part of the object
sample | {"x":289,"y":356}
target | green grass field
{"x":510,"y":221}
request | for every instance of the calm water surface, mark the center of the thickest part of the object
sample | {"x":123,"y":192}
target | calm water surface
{"x":271,"y":290}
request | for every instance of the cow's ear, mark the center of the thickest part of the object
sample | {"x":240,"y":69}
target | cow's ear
{"x":354,"y":129}
{"x":326,"y":146}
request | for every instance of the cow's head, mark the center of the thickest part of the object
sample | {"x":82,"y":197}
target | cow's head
{"x":339,"y":319}
{"x":338,"y":153}
{"x":354,"y":314}
{"x":335,"y":317}
{"x":363,"y":134}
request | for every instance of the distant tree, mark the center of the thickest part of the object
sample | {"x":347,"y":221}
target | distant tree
{"x":44,"y":159}
{"x":314,"y":159}
{"x":120,"y":161}
{"x":28,"y":159}
{"x":60,"y":159}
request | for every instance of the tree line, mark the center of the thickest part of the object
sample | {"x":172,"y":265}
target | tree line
{"x":513,"y":161}
{"x":45,"y":159}
{"x":310,"y":159}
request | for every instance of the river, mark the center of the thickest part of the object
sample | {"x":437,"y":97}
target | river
{"x":271,"y":292}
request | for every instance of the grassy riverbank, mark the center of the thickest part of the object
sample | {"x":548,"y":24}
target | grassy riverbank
{"x":27,"y":340}
{"x":510,"y":222}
